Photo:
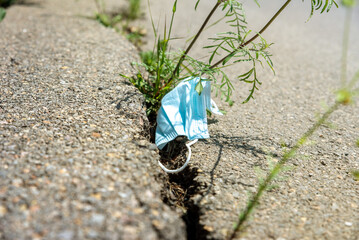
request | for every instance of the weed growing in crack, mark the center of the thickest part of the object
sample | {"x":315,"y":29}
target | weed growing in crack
{"x":120,"y":21}
{"x":165,"y":69}
{"x":134,"y":9}
{"x":180,"y":189}
{"x":344,"y":96}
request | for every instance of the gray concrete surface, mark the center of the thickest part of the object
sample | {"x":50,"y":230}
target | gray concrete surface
{"x":74,"y":161}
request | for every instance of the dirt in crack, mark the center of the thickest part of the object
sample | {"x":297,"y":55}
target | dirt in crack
{"x":181,"y":187}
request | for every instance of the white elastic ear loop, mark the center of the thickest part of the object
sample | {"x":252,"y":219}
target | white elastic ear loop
{"x":214,"y":109}
{"x":188,"y":145}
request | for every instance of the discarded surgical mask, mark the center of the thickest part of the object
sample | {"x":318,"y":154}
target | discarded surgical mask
{"x":183,"y":113}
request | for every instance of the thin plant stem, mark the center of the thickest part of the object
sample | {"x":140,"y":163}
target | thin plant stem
{"x":172,"y":18}
{"x":192,"y":43}
{"x":255,"y":36}
{"x":277,"y":168}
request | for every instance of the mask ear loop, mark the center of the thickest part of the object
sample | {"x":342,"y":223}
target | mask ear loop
{"x":188,"y":145}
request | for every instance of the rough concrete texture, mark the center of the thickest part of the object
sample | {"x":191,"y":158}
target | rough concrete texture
{"x":76,"y":163}
{"x":74,"y":160}
{"x":316,"y":197}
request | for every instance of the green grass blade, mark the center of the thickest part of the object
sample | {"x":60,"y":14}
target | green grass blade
{"x":195,"y":7}
{"x":2,"y":14}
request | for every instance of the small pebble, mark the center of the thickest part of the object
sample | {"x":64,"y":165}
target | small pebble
{"x":349,"y":224}
{"x":97,"y":219}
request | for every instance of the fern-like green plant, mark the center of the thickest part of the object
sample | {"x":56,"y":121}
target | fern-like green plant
{"x":321,"y":5}
{"x":227,"y":48}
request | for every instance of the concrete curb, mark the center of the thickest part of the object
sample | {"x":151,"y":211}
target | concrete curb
{"x":74,"y":163}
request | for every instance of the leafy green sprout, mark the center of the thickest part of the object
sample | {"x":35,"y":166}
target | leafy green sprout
{"x":103,"y":17}
{"x":134,"y":9}
{"x":121,"y":21}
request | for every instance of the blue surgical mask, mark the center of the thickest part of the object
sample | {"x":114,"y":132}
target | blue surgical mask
{"x":183,"y":113}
